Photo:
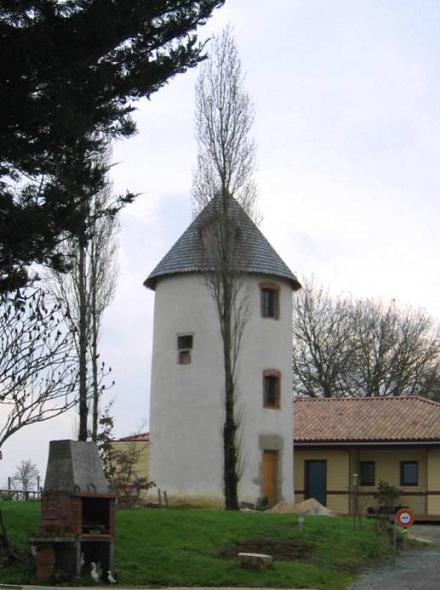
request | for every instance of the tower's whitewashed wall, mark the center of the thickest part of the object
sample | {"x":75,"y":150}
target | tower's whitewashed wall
{"x":267,"y":344}
{"x":186,"y":408}
{"x":187,"y":401}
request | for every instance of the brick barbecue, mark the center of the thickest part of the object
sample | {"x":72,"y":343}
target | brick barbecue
{"x":77,"y":513}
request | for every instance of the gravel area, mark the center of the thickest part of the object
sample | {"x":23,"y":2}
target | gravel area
{"x":415,"y":569}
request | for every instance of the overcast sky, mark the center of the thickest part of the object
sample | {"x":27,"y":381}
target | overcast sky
{"x":346,"y":95}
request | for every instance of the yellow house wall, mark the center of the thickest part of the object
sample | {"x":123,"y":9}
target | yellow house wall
{"x":141,"y":467}
{"x":337,"y":476}
{"x":434,"y":482}
{"x":342,"y":464}
{"x":387,"y":469}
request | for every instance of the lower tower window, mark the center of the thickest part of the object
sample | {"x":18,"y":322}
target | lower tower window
{"x":271,"y":389}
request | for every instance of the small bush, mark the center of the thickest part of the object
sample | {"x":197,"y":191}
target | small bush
{"x":387,"y":497}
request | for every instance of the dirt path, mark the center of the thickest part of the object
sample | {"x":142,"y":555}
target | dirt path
{"x":415,"y":569}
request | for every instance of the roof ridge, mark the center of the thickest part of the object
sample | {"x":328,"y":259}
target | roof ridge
{"x":426,"y":400}
{"x":365,"y":398}
{"x":133,"y":436}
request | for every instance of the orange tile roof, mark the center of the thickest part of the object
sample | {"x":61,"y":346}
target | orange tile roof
{"x":144,"y":436}
{"x":410,"y":418}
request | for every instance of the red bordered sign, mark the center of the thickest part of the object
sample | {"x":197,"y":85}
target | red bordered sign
{"x":405,"y":517}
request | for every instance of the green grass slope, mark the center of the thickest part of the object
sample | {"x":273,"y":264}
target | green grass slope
{"x":197,"y":548}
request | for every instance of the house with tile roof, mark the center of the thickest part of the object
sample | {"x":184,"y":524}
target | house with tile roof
{"x":187,"y":410}
{"x":346,"y":443}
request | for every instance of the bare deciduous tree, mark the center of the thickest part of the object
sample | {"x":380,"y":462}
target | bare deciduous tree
{"x":84,"y":293}
{"x":224,"y":175}
{"x":38,"y":374}
{"x":26,"y":475}
{"x":395,"y":348}
{"x":362,"y":347}
{"x":322,"y":348}
{"x":103,"y":249}
{"x":223,"y":120}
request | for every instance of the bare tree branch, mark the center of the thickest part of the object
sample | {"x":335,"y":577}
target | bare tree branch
{"x":37,"y":370}
{"x":223,"y":121}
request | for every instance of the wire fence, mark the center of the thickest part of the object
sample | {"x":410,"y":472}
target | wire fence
{"x":20,"y":495}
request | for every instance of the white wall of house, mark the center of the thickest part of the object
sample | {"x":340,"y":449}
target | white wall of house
{"x":187,"y":401}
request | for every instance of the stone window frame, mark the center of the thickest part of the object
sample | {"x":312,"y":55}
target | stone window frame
{"x":270,"y":310}
{"x":270,"y":374}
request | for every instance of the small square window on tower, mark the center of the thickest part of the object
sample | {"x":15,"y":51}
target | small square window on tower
{"x":271,"y":389}
{"x":184,"y":347}
{"x":270,"y":305}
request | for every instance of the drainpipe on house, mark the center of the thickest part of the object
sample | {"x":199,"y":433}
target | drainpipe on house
{"x":426,"y":481}
{"x":349,"y":483}
{"x":356,"y":517}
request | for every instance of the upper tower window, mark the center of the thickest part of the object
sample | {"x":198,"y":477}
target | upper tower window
{"x":270,"y":300}
{"x":184,"y":347}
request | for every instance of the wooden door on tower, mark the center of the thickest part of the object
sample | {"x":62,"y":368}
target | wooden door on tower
{"x":270,"y":477}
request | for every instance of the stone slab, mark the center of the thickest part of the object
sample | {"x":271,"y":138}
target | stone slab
{"x":259,"y":561}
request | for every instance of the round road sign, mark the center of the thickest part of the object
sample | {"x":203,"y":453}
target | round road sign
{"x":404,"y":517}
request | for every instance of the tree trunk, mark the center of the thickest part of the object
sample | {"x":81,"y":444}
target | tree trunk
{"x":5,"y":543}
{"x":83,"y":409}
{"x":94,"y":346}
{"x":95,"y":382}
{"x":230,"y":427}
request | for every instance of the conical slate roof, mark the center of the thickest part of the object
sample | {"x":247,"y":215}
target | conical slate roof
{"x":187,"y":255}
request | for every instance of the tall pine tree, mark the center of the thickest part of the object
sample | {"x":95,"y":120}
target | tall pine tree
{"x":71,"y":69}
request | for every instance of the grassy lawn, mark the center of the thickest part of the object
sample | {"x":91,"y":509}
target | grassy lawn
{"x":196,"y":548}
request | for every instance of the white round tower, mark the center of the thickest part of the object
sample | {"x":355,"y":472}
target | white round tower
{"x":187,"y":384}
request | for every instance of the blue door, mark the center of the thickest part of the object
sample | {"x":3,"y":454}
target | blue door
{"x":316,"y":481}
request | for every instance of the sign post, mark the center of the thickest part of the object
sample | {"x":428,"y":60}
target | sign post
{"x":404,"y":518}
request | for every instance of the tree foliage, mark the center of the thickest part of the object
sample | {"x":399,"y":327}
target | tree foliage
{"x":223,"y":175}
{"x":344,"y":346}
{"x":37,"y":369}
{"x":71,"y":74}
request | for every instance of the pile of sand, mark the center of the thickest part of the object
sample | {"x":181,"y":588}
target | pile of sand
{"x":309,"y":506}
